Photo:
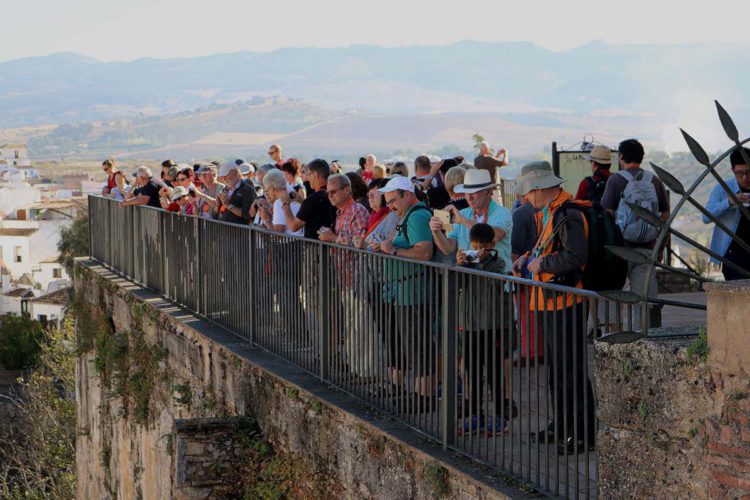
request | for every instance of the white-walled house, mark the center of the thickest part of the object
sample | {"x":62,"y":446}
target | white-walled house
{"x":50,"y":307}
{"x":17,"y":194}
{"x":15,"y":249}
{"x":48,"y":272}
{"x":15,"y":301}
{"x":30,"y":248}
{"x":15,"y":155}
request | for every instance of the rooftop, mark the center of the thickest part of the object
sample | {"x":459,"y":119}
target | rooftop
{"x":13,"y":146}
{"x":11,"y":231}
{"x":78,"y":202}
{"x":23,"y":293}
{"x":57,"y":298}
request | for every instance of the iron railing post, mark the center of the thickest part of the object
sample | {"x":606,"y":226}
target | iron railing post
{"x":162,"y":252}
{"x":323,"y":316}
{"x":448,"y":404}
{"x":253,"y":289}
{"x":197,"y":228}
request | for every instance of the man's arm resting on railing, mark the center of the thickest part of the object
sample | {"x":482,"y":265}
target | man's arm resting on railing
{"x":141,"y":199}
{"x":420,"y":251}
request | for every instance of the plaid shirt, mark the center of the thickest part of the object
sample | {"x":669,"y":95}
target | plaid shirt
{"x":352,"y":220}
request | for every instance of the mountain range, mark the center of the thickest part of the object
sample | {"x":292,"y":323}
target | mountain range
{"x":614,"y":86}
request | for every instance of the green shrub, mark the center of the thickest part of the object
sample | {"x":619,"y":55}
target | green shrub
{"x":20,"y":338}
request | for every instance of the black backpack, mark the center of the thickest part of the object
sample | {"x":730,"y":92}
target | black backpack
{"x":596,"y":190}
{"x":604,"y":270}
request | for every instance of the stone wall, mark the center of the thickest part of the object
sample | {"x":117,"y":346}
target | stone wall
{"x":172,"y":407}
{"x":675,"y":411}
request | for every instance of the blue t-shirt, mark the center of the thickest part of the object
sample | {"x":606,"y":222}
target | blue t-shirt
{"x":497,"y":216}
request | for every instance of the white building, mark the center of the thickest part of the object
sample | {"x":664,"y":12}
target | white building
{"x":29,"y":248}
{"x":17,"y":194}
{"x":50,"y":307}
{"x":14,"y":155}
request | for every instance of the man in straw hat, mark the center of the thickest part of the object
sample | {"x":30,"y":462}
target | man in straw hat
{"x":558,"y":257}
{"x":592,"y":187}
{"x":478,"y":188}
{"x":484,"y":335}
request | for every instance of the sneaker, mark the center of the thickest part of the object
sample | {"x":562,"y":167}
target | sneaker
{"x":510,"y":410}
{"x":471,"y":425}
{"x":495,"y":426}
{"x":572,"y":447}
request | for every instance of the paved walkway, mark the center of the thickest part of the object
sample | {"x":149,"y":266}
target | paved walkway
{"x":681,"y":316}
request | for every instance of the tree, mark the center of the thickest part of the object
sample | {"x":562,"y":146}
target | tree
{"x":74,"y":242}
{"x":477,"y":138}
{"x":37,"y":456}
{"x":19,"y":342}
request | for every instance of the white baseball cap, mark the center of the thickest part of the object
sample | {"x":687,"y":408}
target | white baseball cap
{"x":227,"y":167}
{"x":398,"y":182}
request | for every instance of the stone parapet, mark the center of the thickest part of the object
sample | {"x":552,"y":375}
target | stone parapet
{"x":173,"y":407}
{"x":675,"y":412}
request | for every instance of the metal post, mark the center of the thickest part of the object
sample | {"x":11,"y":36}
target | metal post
{"x":323,"y":311}
{"x":448,"y":404}
{"x":253,"y":288}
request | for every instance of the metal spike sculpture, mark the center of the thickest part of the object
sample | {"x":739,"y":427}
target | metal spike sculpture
{"x":639,"y":256}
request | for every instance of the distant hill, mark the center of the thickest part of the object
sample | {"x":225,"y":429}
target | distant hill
{"x":307,"y":130}
{"x":462,"y":77}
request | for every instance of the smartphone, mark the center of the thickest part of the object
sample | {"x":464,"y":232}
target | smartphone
{"x":445,"y":219}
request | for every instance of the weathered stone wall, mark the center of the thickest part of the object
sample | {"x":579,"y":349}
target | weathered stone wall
{"x":153,"y":380}
{"x":675,"y":413}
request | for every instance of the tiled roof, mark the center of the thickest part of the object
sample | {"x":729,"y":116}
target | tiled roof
{"x":23,"y":293}
{"x":58,"y":298}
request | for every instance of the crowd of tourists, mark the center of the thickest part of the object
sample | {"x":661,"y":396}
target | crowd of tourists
{"x":448,"y":212}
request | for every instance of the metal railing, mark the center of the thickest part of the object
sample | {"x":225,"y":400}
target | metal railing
{"x":477,"y":361}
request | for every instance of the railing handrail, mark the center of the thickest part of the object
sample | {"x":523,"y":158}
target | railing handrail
{"x":552,"y":287}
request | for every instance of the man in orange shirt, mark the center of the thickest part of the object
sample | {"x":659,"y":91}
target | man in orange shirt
{"x":558,"y":257}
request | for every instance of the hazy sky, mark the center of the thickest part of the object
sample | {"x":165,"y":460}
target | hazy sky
{"x":126,"y":30}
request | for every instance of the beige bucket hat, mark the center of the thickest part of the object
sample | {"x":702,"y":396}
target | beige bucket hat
{"x":536,"y":175}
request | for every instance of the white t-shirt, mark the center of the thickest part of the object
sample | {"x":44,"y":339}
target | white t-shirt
{"x":280,"y":220}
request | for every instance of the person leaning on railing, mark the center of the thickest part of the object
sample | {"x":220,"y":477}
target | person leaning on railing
{"x":237,"y":197}
{"x":208,"y":194}
{"x":272,"y":213}
{"x":405,"y":292}
{"x":478,"y":188}
{"x":316,"y":212}
{"x":558,"y":257}
{"x":145,"y":189}
{"x":351,"y":219}
{"x":722,"y":207}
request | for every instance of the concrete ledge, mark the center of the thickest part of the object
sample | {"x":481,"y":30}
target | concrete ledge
{"x":729,"y":326}
{"x":367,"y":454}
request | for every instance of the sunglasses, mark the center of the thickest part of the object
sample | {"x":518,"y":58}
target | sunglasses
{"x":182,"y":178}
{"x":273,"y":152}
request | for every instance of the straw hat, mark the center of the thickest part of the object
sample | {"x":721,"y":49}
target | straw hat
{"x":601,"y":154}
{"x":475,"y":180}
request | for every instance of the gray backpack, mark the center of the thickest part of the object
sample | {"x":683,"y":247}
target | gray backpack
{"x":639,"y":191}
